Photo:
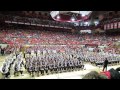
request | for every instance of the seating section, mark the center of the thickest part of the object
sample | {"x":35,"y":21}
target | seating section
{"x":61,"y":42}
{"x":36,"y":37}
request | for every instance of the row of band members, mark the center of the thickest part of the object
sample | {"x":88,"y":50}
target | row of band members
{"x":40,"y":66}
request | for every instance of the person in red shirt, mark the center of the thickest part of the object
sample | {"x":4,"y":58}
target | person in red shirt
{"x":95,"y":75}
{"x":107,"y":74}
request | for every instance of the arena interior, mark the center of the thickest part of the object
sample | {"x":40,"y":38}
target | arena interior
{"x":58,"y":44}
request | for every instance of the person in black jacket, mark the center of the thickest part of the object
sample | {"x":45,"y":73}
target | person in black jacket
{"x":118,"y":69}
{"x":2,"y":51}
{"x":114,"y":73}
{"x":105,"y":64}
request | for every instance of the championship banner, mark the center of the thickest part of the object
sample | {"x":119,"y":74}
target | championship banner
{"x":118,"y":24}
{"x":111,"y":25}
{"x":115,"y":25}
{"x":105,"y":27}
{"x":108,"y":26}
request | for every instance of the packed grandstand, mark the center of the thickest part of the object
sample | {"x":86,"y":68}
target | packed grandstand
{"x":34,"y":41}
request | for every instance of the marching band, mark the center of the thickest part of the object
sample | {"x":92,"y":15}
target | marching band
{"x":48,"y":62}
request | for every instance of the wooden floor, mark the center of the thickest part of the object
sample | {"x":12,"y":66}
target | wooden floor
{"x":66,"y":75}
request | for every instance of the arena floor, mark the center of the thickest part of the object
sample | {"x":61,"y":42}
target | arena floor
{"x":66,"y":75}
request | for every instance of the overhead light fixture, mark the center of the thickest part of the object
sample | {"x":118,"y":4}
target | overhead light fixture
{"x":83,"y":15}
{"x":86,"y":23}
{"x":58,"y":17}
{"x":96,"y":23}
{"x":73,"y":19}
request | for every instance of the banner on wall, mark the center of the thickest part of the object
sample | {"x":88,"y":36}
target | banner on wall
{"x":115,"y":25}
{"x":111,"y":25}
{"x":108,"y":26}
{"x":118,"y":24}
{"x":105,"y":27}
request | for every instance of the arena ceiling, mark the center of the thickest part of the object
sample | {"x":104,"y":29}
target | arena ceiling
{"x":93,"y":13}
{"x":79,"y":15}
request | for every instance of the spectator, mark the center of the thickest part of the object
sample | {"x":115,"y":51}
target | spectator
{"x":2,"y":51}
{"x":94,"y":75}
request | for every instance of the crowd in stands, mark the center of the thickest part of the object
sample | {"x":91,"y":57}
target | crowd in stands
{"x":18,"y":37}
{"x":54,"y":52}
{"x":59,"y":45}
{"x":57,"y":48}
{"x":38,"y":37}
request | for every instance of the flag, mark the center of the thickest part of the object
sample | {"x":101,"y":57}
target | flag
{"x":115,"y":25}
{"x":118,"y":24}
{"x":105,"y":27}
{"x":108,"y":26}
{"x":111,"y":25}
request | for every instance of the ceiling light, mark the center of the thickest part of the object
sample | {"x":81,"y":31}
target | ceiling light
{"x":72,"y":19}
{"x":58,"y":17}
{"x":83,"y":15}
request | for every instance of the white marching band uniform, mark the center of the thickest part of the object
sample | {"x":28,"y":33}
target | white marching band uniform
{"x":52,"y":59}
